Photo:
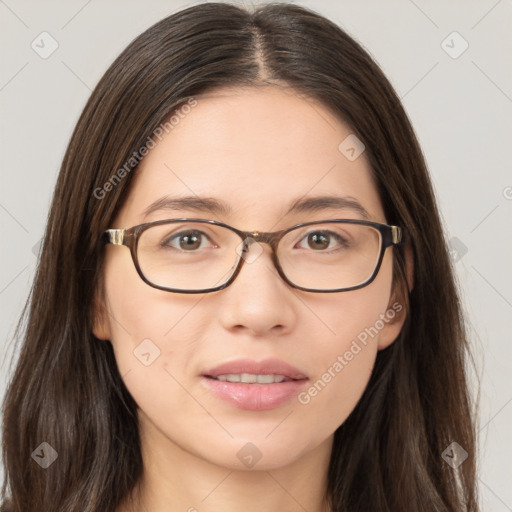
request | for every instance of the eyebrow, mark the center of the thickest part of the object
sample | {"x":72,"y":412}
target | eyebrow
{"x":218,"y":207}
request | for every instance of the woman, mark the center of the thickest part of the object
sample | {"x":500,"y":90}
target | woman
{"x":244,"y":298}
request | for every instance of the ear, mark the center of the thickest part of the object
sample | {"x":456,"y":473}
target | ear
{"x":398,"y":306}
{"x":100,"y":323}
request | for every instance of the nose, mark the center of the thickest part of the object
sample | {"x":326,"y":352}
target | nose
{"x":258,"y":300}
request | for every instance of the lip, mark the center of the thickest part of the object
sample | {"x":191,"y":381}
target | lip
{"x":255,"y":397}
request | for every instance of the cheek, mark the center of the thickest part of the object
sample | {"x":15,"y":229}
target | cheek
{"x":154,"y":335}
{"x":342,"y":317}
{"x":345,"y":352}
{"x":148,"y":327}
{"x":334,"y":393}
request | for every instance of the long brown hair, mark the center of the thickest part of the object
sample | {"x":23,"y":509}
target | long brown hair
{"x":66,"y":389}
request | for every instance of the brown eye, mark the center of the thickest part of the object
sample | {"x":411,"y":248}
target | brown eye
{"x":322,"y":240}
{"x":187,"y":240}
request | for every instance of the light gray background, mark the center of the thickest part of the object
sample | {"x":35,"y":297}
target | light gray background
{"x":460,"y":108}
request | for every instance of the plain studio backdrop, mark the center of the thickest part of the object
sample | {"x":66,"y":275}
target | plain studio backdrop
{"x":449,"y":63}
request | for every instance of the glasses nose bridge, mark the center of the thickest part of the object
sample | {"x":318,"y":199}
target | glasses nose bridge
{"x":270,"y":238}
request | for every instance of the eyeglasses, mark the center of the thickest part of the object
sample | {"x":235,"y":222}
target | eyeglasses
{"x":200,"y":256}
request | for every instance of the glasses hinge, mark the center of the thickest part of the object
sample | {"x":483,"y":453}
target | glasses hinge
{"x":116,"y":236}
{"x":396,"y":234}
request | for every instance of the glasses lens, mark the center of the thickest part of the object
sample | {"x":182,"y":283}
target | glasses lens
{"x":188,"y":255}
{"x":330,"y":255}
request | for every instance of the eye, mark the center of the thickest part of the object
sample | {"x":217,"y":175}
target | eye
{"x":188,"y":240}
{"x":322,"y":240}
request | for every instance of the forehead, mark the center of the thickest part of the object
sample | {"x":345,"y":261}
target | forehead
{"x":256,"y":149}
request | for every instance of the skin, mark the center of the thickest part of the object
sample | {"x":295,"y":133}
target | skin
{"x":258,"y":150}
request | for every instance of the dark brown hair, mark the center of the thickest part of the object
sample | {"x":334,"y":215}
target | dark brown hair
{"x":66,"y":389}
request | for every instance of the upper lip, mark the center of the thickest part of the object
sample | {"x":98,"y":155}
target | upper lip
{"x":265,"y":367}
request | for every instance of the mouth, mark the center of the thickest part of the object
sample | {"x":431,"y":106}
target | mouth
{"x":249,"y":371}
{"x":251,"y":378}
{"x":255,"y":385}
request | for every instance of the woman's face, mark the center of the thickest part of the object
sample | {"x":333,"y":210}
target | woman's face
{"x":257,"y":151}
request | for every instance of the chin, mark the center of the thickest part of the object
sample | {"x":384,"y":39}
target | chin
{"x":256,"y":454}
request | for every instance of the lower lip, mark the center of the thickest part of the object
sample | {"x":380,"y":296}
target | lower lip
{"x":255,"y":397}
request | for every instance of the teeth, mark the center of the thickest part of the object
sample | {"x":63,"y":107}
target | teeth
{"x":250,"y":378}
